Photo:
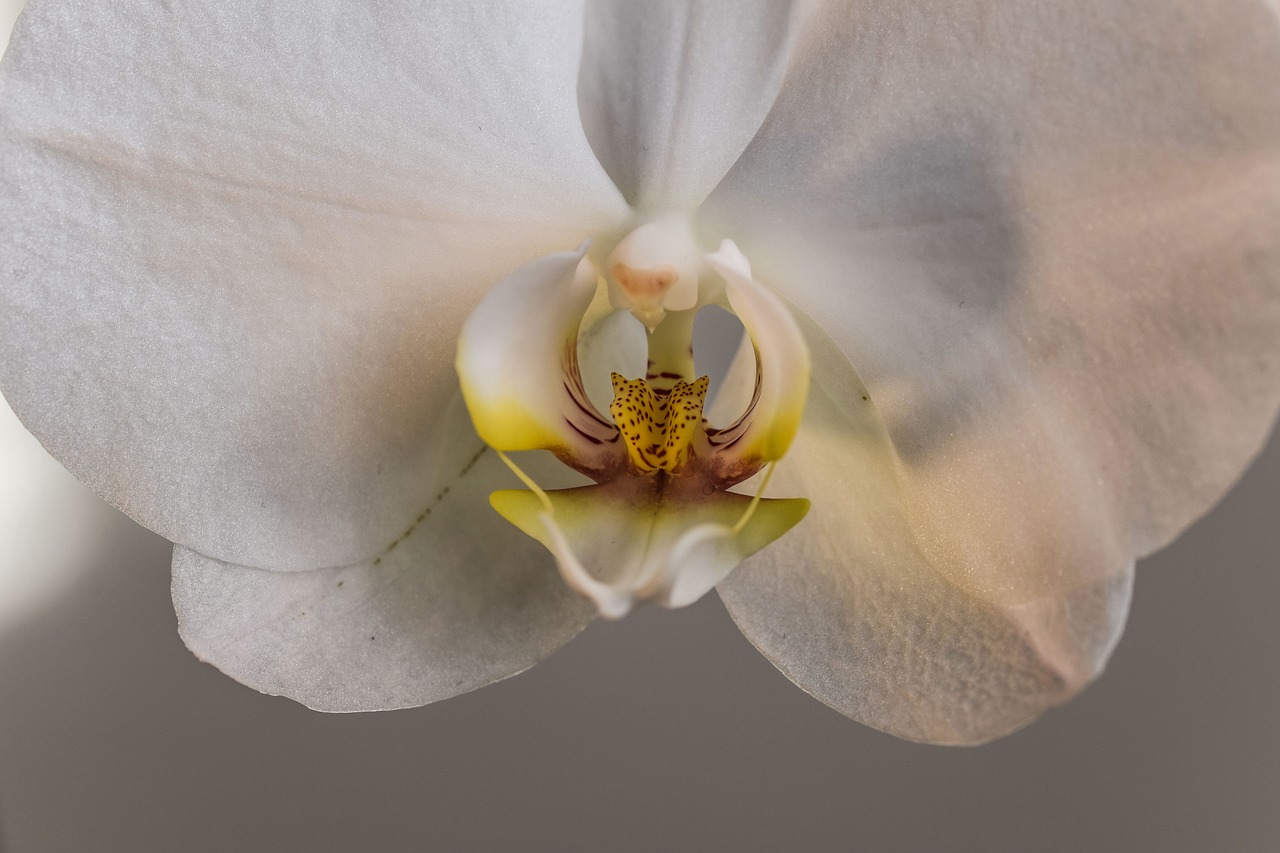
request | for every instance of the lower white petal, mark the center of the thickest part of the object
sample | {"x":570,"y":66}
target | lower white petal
{"x":458,"y":600}
{"x":863,"y":610}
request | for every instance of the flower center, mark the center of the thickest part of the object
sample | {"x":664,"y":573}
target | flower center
{"x":660,"y":522}
{"x":655,"y":269}
{"x":658,"y":428}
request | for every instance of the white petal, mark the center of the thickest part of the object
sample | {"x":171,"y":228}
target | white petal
{"x":459,"y":600}
{"x":240,"y":238}
{"x":672,"y":91}
{"x":1047,"y":242}
{"x":859,"y":609}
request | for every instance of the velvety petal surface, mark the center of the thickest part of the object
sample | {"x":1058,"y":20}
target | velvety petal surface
{"x":672,"y":91}
{"x":459,"y":599}
{"x":1045,"y":238}
{"x":856,"y":608}
{"x":241,"y":237}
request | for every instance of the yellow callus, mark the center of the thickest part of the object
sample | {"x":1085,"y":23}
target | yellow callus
{"x":658,"y":428}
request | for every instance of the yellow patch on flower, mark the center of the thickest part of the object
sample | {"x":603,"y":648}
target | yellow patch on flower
{"x":658,"y":428}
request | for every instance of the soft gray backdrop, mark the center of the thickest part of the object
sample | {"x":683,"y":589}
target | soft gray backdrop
{"x":665,"y":731}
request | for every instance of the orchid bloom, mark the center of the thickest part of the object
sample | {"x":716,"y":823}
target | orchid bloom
{"x":294,"y":284}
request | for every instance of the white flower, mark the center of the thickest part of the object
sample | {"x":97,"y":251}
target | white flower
{"x":660,"y":523}
{"x":1031,"y":250}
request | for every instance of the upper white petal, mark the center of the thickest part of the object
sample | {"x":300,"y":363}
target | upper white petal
{"x":240,"y":238}
{"x":672,"y":91}
{"x":864,"y":611}
{"x":1045,"y":237}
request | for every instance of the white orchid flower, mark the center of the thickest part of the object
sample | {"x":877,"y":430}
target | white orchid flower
{"x":1029,"y":252}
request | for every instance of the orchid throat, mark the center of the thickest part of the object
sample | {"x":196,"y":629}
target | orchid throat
{"x":660,"y":523}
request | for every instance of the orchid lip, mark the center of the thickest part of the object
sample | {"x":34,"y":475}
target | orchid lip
{"x":660,"y":524}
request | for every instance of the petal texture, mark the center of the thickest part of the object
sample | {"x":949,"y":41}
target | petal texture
{"x":240,"y":239}
{"x":459,"y":600}
{"x":1045,"y":237}
{"x":856,"y":608}
{"x":672,"y":91}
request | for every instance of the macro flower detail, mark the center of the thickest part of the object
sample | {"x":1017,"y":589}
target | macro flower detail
{"x":660,"y":524}
{"x":292,"y":283}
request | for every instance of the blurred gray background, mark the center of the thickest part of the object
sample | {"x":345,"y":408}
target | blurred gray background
{"x":665,"y":731}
